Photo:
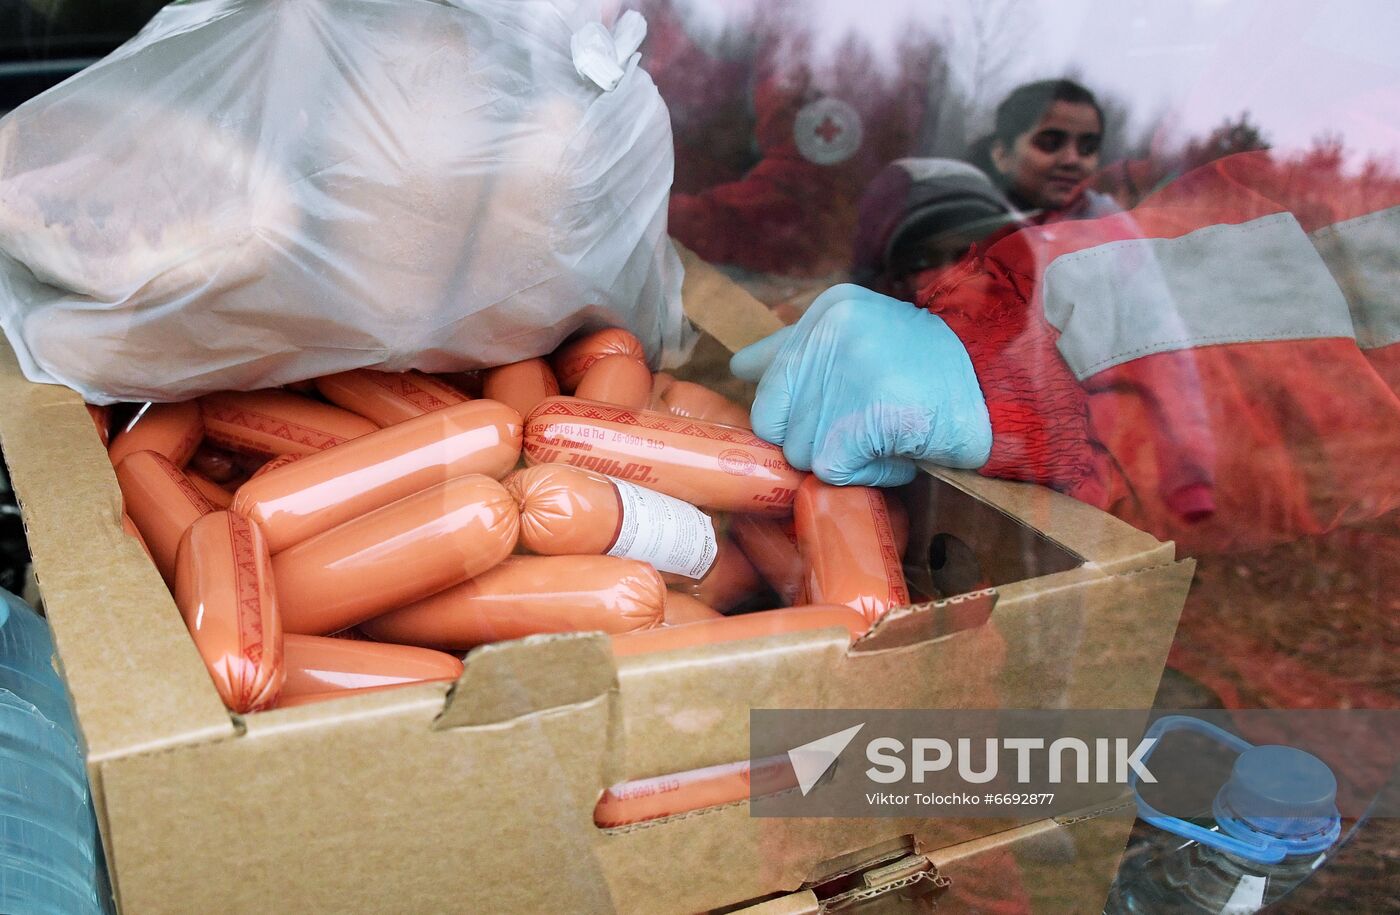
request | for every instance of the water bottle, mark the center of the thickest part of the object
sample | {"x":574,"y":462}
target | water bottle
{"x":50,"y":861}
{"x":1274,"y":817}
{"x":27,"y":662}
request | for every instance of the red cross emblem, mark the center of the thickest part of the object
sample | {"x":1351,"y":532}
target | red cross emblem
{"x":828,"y":129}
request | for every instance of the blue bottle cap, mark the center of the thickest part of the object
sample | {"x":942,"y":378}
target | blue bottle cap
{"x":1280,"y":796}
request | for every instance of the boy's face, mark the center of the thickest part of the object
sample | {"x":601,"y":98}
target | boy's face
{"x":1047,"y":164}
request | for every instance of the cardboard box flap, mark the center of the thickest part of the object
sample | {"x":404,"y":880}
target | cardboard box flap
{"x":135,"y":676}
{"x":720,"y":307}
{"x":905,"y":626}
{"x":803,"y":903}
{"x":508,"y":680}
{"x":1076,"y":527}
{"x":689,"y":709}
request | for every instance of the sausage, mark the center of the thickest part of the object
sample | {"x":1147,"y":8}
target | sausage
{"x":173,"y":430}
{"x":294,"y":501}
{"x":218,"y":497}
{"x":386,"y":398}
{"x":214,"y":463}
{"x":619,"y":380}
{"x":899,"y":522}
{"x":102,"y":421}
{"x":520,"y":385}
{"x":316,"y":664}
{"x":743,"y":626}
{"x":573,"y":359}
{"x":729,"y":582}
{"x":848,"y":548}
{"x":277,"y":422}
{"x":567,"y":511}
{"x":162,"y":503}
{"x":695,"y":401}
{"x":705,"y":464}
{"x":313,"y":698}
{"x":282,"y":460}
{"x":527,"y":595}
{"x":681,"y":608}
{"x":223,"y":587}
{"x":770,"y":544}
{"x":395,"y":555}
{"x":667,"y":795}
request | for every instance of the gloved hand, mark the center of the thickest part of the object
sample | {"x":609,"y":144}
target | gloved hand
{"x":863,"y":386}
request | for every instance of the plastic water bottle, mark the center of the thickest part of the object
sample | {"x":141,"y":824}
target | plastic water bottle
{"x":49,"y":856}
{"x":27,"y":662}
{"x":1247,"y":860}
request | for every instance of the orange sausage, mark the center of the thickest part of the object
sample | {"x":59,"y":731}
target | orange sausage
{"x":667,"y":795}
{"x":218,"y":497}
{"x":771,"y":546}
{"x":619,"y":380}
{"x":162,"y":503}
{"x":277,"y":422}
{"x":173,"y":430}
{"x":520,"y":385}
{"x":681,"y":608}
{"x":705,"y":464}
{"x":567,"y":511}
{"x":573,"y":359}
{"x":282,"y":460}
{"x":223,"y":587}
{"x":848,"y":548}
{"x":395,"y":555}
{"x":744,"y":626}
{"x":316,"y":664}
{"x":695,"y":401}
{"x":899,"y":522}
{"x":298,"y":500}
{"x":102,"y":420}
{"x":729,"y":582}
{"x":313,"y":698}
{"x":527,"y":595}
{"x":386,"y":398}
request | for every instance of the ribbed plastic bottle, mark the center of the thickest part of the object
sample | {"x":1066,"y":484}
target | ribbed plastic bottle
{"x":49,"y":857}
{"x":27,"y":662}
{"x":1274,"y":818}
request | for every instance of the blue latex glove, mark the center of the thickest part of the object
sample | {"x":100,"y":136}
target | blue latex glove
{"x":863,"y":386}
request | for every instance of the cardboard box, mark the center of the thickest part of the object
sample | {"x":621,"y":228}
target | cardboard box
{"x":479,"y":797}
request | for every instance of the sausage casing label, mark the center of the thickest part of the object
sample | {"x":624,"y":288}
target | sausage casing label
{"x":672,"y":535}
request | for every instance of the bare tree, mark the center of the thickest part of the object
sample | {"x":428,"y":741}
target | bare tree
{"x":995,"y":40}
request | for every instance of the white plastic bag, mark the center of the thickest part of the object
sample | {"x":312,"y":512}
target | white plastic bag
{"x":254,"y":192}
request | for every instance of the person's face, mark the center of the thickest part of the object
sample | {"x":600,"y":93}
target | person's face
{"x":1047,"y":163}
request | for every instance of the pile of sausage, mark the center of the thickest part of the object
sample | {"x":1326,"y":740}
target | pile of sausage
{"x":363,"y":530}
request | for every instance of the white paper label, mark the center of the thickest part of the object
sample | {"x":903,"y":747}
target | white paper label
{"x":672,"y":535}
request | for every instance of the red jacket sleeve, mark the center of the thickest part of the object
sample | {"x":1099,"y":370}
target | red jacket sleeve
{"x":1217,"y":366}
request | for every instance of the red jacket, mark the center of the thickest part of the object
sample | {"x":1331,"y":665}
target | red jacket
{"x":1218,"y":366}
